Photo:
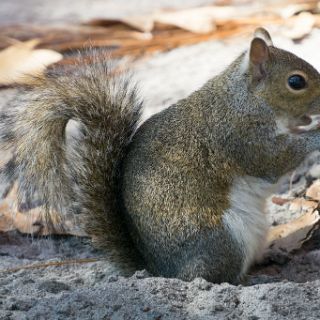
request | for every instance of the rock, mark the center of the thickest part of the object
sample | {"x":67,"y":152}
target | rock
{"x":202,"y":284}
{"x":141,"y":274}
{"x":53,"y":286}
{"x":113,"y":278}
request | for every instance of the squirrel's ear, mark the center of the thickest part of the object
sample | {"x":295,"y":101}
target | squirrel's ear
{"x":258,"y":56}
{"x":264,"y":35}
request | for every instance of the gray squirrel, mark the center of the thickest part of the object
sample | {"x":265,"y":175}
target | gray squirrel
{"x":182,"y":195}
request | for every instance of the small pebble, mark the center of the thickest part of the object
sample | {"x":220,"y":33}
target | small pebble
{"x":113,"y":278}
{"x":53,"y":286}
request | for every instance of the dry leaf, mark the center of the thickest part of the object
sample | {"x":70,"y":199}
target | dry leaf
{"x":20,"y":61}
{"x":301,"y":205}
{"x":170,"y":29}
{"x":290,"y":236}
{"x":33,"y":222}
{"x":287,"y":11}
{"x":300,"y":26}
{"x":197,"y":20}
{"x":313,"y":191}
{"x":141,"y":23}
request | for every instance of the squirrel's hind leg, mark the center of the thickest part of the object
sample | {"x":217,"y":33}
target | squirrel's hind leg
{"x":226,"y":252}
{"x":213,"y":255}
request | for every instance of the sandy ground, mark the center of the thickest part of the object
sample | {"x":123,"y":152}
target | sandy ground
{"x":284,"y":287}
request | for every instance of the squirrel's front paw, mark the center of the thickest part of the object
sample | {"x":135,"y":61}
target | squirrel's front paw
{"x":313,"y":124}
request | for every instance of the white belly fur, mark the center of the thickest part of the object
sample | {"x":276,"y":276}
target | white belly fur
{"x":246,"y":219}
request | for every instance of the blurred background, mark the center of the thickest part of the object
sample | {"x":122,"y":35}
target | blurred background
{"x":178,"y":38}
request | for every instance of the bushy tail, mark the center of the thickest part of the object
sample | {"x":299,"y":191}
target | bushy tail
{"x":75,"y":172}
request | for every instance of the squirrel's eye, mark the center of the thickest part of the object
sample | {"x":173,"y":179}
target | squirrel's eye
{"x":297,"y":82}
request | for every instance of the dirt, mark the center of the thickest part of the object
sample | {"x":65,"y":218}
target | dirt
{"x":284,"y":286}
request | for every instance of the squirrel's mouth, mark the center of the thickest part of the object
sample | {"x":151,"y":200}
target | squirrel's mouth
{"x":307,"y":122}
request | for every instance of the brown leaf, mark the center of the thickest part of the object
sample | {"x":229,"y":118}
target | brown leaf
{"x":21,"y":60}
{"x":33,"y":221}
{"x":301,"y":205}
{"x":290,"y":236}
{"x":313,"y":191}
{"x":170,"y":29}
{"x":200,"y":20}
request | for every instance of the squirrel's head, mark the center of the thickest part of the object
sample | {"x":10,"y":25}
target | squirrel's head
{"x":288,"y":84}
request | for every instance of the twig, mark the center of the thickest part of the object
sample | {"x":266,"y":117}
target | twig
{"x":51,"y":263}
